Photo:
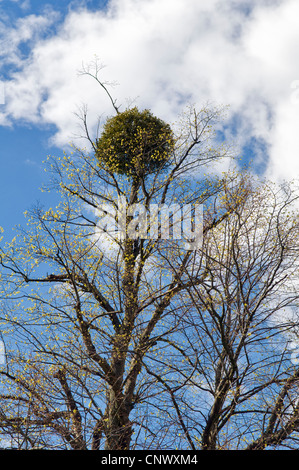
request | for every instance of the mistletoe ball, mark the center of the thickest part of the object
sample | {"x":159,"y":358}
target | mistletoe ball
{"x":135,"y":143}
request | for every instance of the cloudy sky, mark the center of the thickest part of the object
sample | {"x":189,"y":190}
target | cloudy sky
{"x":163,"y":54}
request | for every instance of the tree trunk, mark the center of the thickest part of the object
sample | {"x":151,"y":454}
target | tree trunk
{"x":119,"y":428}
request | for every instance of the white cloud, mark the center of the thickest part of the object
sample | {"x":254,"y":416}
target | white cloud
{"x":27,"y":30}
{"x":164,"y":53}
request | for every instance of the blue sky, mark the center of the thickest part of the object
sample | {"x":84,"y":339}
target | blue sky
{"x":163,"y":54}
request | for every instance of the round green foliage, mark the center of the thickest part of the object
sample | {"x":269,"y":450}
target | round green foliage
{"x":135,"y":143}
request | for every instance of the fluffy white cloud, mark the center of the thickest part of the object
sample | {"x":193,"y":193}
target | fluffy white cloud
{"x":164,"y":53}
{"x":27,"y":30}
{"x":272,"y":39}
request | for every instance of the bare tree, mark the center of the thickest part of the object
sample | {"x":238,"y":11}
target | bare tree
{"x":122,"y":342}
{"x":82,"y":308}
{"x":231,"y":381}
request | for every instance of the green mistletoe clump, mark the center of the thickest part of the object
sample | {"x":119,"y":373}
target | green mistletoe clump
{"x":135,"y":143}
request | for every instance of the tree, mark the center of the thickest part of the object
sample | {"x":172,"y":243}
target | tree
{"x":236,"y":386}
{"x":110,"y":331}
{"x":94,"y":311}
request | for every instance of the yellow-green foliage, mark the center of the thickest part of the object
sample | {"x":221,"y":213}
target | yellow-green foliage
{"x":135,"y":143}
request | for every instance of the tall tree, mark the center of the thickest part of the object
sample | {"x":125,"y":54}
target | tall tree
{"x":86,"y":306}
{"x":124,"y":331}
